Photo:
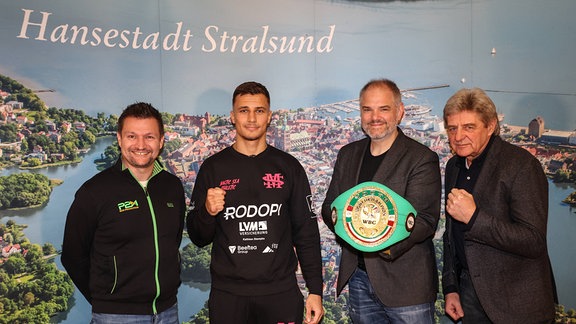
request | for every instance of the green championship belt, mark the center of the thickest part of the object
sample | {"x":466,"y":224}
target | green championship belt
{"x":372,"y":217}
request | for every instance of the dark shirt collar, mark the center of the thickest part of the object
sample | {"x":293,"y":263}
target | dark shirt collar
{"x":479,"y":161}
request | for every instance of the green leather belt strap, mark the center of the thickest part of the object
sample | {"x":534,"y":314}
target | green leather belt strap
{"x":372,"y":217}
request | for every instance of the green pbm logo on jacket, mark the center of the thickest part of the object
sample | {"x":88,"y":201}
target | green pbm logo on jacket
{"x":127,"y":205}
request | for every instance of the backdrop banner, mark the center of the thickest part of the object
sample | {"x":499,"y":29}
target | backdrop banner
{"x":68,"y":68}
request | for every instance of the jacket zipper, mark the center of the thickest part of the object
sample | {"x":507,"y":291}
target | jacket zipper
{"x":156,"y":250}
{"x":115,"y":275}
{"x":155,"y":231}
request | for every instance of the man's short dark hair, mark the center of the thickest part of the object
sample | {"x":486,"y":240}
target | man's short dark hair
{"x":251,"y":88}
{"x":383,"y":83}
{"x":141,"y":110}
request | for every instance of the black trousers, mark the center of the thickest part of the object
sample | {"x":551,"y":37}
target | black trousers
{"x":473,"y":311}
{"x":286,"y":307}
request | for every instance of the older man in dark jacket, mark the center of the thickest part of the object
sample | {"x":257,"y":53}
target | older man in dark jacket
{"x":496,"y":265}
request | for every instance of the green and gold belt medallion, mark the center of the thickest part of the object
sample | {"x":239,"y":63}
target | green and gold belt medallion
{"x":372,"y":217}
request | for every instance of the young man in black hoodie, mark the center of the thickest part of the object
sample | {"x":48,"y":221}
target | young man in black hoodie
{"x":124,"y":228}
{"x":252,"y":201}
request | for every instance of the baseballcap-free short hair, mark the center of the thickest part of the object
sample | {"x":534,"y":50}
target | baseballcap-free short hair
{"x":141,"y":110}
{"x":383,"y":83}
{"x":251,"y":88}
{"x":474,"y":100}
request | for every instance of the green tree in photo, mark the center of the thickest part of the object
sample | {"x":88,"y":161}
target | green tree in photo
{"x":167,"y":118}
{"x":88,"y":137}
{"x":24,"y":190}
{"x":201,"y":317}
{"x":48,"y":249}
{"x":171,"y":146}
{"x":196,"y":262}
{"x":15,"y":264}
{"x":32,"y":289}
{"x":8,"y":133}
{"x":110,"y":156}
{"x":28,"y":299}
{"x":112,"y":123}
{"x":34,"y":162}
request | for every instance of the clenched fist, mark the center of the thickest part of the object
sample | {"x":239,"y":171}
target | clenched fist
{"x":460,"y":205}
{"x":215,"y":200}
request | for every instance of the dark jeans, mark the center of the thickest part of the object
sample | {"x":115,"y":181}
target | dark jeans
{"x":366,"y":308}
{"x":169,"y":316}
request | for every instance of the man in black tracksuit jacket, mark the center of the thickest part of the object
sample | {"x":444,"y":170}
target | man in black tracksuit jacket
{"x":124,"y":228}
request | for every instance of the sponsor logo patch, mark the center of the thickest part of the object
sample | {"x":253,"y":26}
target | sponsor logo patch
{"x":242,"y":249}
{"x":273,"y":181}
{"x":127,"y":205}
{"x":253,"y":228}
{"x":229,"y":184}
{"x":250,"y":211}
{"x":310,"y":203}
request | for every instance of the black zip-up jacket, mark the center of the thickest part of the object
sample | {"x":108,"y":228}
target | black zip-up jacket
{"x":121,"y":241}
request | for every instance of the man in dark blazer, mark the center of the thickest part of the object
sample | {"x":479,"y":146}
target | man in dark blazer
{"x":398,"y":284}
{"x":496,"y":265}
